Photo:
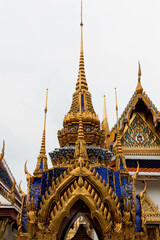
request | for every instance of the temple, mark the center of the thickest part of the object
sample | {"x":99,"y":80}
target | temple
{"x":98,"y":184}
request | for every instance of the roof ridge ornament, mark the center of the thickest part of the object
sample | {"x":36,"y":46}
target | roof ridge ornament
{"x":105,"y":124}
{"x":42,"y":158}
{"x":120,"y":158}
{"x":139,"y":88}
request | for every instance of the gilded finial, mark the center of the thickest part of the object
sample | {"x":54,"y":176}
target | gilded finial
{"x":20,"y":190}
{"x":139,"y":88}
{"x":42,"y":158}
{"x":105,"y":125}
{"x":120,"y":159}
{"x":12,"y":194}
{"x":2,"y":154}
{"x":81,"y":62}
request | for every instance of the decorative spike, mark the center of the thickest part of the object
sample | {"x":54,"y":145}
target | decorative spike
{"x":50,"y":190}
{"x":42,"y":158}
{"x":62,"y":201}
{"x":94,"y":171}
{"x":92,"y":192}
{"x":72,"y":188}
{"x":43,"y":199}
{"x":102,"y":207}
{"x":58,"y":205}
{"x":75,"y":184}
{"x":55,"y":209}
{"x":80,"y":181}
{"x":65,"y":196}
{"x":105,"y":125}
{"x":98,"y":202}
{"x":120,"y":158}
{"x":61,"y":177}
{"x":57,"y":181}
{"x":46,"y":194}
{"x":96,"y":197}
{"x":105,"y":211}
{"x":109,"y":217}
{"x":100,"y":179}
{"x":139,"y":88}
{"x":65,"y":174}
{"x":41,"y":205}
{"x":89,"y":188}
{"x":113,"y":194}
{"x":110,"y":191}
{"x":81,"y":82}
{"x":20,"y":190}
{"x":52,"y":215}
{"x":97,"y":175}
{"x":85,"y":184}
{"x":69,"y":192}
{"x":116,"y":199}
{"x":107,"y":186}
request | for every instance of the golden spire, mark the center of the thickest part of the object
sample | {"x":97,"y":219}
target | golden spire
{"x":80,"y":145}
{"x":139,"y":88}
{"x":42,"y":158}
{"x":120,"y":159}
{"x":81,"y":62}
{"x":105,"y":125}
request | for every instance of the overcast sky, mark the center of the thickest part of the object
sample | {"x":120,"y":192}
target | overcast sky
{"x":39,"y":49}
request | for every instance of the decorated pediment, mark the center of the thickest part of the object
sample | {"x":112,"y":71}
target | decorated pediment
{"x":139,"y":134}
{"x":149,"y":210}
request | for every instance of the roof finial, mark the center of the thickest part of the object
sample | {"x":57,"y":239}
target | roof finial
{"x":81,"y":62}
{"x":105,"y":125}
{"x":139,"y":88}
{"x":120,"y":159}
{"x":80,"y":146}
{"x":43,"y":144}
{"x":81,"y":24}
{"x":42,"y":158}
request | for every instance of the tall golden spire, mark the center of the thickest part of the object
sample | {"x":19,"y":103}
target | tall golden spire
{"x":81,"y":62}
{"x":139,"y":88}
{"x":80,"y":146}
{"x":105,"y":125}
{"x":42,"y":158}
{"x":120,"y":159}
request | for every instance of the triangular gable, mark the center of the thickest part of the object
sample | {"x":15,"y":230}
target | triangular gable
{"x":139,"y":134}
{"x":149,"y":210}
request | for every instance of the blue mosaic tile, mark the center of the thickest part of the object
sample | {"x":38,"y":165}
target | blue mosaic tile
{"x":138,"y":215}
{"x":41,"y":164}
{"x":117,"y":184}
{"x":82,"y":102}
{"x":24,"y":216}
{"x":102,"y":172}
{"x":110,"y":174}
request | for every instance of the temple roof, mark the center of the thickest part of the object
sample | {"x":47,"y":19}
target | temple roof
{"x":139,"y":114}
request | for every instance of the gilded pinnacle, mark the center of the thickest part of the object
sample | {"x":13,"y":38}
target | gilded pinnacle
{"x":139,"y":88}
{"x":105,"y":119}
{"x":119,"y":154}
{"x":43,"y":144}
{"x":81,"y":62}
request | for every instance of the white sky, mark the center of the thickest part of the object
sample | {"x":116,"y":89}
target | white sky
{"x":39,"y":49}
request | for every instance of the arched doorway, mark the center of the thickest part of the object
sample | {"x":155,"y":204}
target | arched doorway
{"x":79,"y":208}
